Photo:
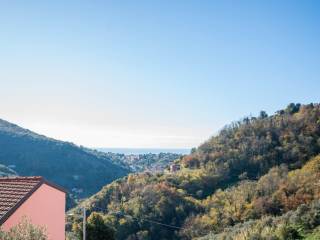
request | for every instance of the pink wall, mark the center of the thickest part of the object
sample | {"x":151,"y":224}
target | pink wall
{"x":45,"y":207}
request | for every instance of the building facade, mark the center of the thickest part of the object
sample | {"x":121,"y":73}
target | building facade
{"x":41,"y":202}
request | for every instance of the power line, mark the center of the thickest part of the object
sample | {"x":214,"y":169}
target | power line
{"x":144,"y":219}
{"x":162,"y":224}
{"x":141,"y":219}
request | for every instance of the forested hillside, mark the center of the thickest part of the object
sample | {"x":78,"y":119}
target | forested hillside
{"x":77,"y":169}
{"x":257,"y":171}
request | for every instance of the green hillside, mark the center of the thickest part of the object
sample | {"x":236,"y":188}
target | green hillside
{"x":80,"y":171}
{"x":274,"y":194}
{"x":257,"y":167}
{"x":302,"y":223}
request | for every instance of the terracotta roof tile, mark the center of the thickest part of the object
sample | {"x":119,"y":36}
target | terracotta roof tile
{"x":14,"y":189}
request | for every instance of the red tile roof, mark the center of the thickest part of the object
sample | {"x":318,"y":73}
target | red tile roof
{"x":15,"y":190}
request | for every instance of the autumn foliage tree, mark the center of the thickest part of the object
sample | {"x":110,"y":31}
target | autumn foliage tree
{"x":24,"y":230}
{"x":96,"y":228}
{"x":256,"y":167}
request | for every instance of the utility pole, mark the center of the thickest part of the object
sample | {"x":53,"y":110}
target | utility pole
{"x":84,"y":223}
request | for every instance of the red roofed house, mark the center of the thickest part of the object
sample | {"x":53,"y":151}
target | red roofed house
{"x":42,"y":202}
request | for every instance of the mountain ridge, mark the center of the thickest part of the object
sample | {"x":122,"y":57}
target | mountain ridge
{"x":78,"y":169}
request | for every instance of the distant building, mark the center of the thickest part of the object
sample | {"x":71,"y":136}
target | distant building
{"x":41,"y":202}
{"x":77,"y":190}
{"x":174,"y":167}
{"x":132,"y":157}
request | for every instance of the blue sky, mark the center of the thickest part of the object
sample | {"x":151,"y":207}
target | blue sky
{"x":153,"y":73}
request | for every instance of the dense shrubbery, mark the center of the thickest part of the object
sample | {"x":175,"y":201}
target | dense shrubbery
{"x":137,"y":199}
{"x":302,"y":223}
{"x":220,"y":183}
{"x":275,"y":193}
{"x":96,"y":228}
{"x":24,"y":231}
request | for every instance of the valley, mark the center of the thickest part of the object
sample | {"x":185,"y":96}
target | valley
{"x":259,"y":177}
{"x":257,"y":170}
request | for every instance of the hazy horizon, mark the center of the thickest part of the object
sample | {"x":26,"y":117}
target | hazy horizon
{"x":166,"y":74}
{"x":128,"y":151}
